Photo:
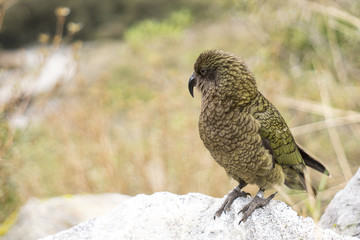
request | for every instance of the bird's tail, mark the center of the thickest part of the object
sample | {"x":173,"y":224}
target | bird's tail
{"x":295,"y":179}
{"x":312,"y":162}
{"x":294,"y":175}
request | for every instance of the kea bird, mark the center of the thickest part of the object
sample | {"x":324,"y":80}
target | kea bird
{"x":244,"y":132}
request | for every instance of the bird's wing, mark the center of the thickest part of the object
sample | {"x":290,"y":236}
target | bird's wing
{"x":276,"y":133}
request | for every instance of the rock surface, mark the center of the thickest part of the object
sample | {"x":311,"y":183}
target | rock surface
{"x":169,"y":216}
{"x":40,"y":218}
{"x":343,"y":212}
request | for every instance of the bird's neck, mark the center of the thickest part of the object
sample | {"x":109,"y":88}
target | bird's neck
{"x":209,"y":102}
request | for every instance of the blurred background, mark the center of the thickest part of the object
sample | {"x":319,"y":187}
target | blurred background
{"x":94,"y":98}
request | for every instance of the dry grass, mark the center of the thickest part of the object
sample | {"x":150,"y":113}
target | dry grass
{"x":130,"y":126}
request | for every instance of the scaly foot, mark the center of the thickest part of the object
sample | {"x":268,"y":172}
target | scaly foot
{"x":234,"y":194}
{"x":257,"y":202}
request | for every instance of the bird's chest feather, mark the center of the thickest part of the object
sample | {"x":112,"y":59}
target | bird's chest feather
{"x":229,"y":134}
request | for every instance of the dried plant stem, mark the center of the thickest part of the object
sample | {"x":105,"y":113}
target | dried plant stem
{"x":330,"y":11}
{"x":334,"y":135}
{"x":351,"y":117}
{"x":335,"y":50}
{"x":61,"y":14}
{"x":286,"y":197}
{"x":310,"y":106}
{"x":327,"y":123}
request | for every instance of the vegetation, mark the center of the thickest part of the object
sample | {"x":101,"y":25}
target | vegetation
{"x":26,"y":19}
{"x":126,"y":122}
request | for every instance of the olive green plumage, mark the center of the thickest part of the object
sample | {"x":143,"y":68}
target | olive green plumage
{"x":242,"y":130}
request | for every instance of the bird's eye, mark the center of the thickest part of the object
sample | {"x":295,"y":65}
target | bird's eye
{"x":202,"y":71}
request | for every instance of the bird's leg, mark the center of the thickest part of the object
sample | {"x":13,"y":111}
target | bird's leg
{"x":258,"y":201}
{"x":234,"y":194}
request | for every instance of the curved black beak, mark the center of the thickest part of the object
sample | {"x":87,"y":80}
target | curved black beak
{"x":191,"y":85}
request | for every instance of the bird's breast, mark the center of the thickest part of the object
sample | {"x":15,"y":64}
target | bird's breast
{"x":225,"y":133}
{"x":232,"y":138}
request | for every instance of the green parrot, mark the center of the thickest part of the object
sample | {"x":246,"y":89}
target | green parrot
{"x":244,"y":132}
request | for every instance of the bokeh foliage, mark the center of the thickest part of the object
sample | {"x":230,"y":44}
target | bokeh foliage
{"x":26,"y":19}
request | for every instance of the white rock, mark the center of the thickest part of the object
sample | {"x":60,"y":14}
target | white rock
{"x":168,"y":216}
{"x":343,"y":212}
{"x":40,"y":218}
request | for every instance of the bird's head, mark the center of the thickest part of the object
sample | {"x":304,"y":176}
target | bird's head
{"x":220,"y":74}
